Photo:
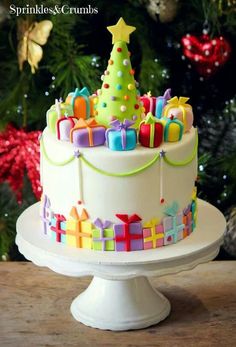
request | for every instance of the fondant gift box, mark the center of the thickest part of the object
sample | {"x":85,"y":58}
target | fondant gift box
{"x":129,"y":235}
{"x":103,"y":236}
{"x":58,"y":228}
{"x":87,"y":133}
{"x":178,"y":108}
{"x":79,"y":230}
{"x":150,"y":132}
{"x":153,"y":234}
{"x":56,"y":111}
{"x":121,"y":137}
{"x":81,"y":103}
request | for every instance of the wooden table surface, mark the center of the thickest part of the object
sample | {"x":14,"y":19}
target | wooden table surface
{"x":34,"y":309}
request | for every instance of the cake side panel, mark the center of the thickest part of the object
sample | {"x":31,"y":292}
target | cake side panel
{"x":104,"y":196}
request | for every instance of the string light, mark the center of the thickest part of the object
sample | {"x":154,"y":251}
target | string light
{"x":201,"y":168}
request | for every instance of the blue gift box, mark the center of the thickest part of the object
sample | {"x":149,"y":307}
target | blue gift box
{"x":62,"y":227}
{"x":121,"y":138}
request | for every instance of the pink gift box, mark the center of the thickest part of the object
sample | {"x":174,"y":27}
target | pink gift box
{"x":153,"y":239}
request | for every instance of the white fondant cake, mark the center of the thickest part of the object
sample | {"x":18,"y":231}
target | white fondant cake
{"x":107,"y":185}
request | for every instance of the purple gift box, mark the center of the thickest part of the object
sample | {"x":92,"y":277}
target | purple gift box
{"x":87,"y":134}
{"x":128,"y":236}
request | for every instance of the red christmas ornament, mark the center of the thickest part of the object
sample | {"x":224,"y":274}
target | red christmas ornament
{"x":19,"y":153}
{"x":205,"y":53}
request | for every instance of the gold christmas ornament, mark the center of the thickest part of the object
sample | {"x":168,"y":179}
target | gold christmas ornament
{"x":31,"y":37}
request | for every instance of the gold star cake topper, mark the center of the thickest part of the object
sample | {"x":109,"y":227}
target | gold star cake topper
{"x":120,"y":31}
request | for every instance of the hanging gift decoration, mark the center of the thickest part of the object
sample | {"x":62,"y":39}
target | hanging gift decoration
{"x":161,"y":101}
{"x":56,"y":111}
{"x":120,"y":137}
{"x":87,"y":133}
{"x":81,"y":102}
{"x":207,"y":54}
{"x":150,"y":132}
{"x":103,"y":236}
{"x":129,"y":235}
{"x":162,"y":155}
{"x":179,"y":109}
{"x":30,"y":39}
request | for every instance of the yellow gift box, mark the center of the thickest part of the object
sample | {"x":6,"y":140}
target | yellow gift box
{"x":79,"y":230}
{"x":179,"y":108}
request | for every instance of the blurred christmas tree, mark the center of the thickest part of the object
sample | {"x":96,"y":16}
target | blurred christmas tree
{"x":185,"y":45}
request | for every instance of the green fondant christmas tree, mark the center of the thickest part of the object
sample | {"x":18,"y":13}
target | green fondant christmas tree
{"x":118,"y":98}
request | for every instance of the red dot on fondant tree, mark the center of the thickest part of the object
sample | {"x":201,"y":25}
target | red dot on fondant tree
{"x":162,"y":200}
{"x":106,"y":85}
{"x":79,"y":202}
{"x":136,"y":106}
{"x":119,"y":49}
{"x":132,"y":72}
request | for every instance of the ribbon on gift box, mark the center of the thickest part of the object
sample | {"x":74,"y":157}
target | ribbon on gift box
{"x":86,"y":124}
{"x":127,"y":220}
{"x":122,"y":127}
{"x":77,"y":232}
{"x":187,"y":219}
{"x":176,"y":102}
{"x":152,"y":223}
{"x":84,"y":93}
{"x":102,"y":225}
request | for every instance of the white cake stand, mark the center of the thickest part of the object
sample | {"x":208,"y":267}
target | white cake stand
{"x":120,"y":296}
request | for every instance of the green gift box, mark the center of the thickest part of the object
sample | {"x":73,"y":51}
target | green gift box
{"x":103,"y":238}
{"x":52,"y":115}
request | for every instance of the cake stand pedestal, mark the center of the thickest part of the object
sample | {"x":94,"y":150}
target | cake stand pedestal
{"x":120,"y":296}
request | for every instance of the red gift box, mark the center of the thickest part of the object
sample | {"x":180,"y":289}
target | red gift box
{"x":150,"y":132}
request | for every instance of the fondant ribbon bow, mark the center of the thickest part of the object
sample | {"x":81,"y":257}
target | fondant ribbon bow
{"x":152,"y":223}
{"x":60,"y":218}
{"x":102,"y":225}
{"x":75,"y":215}
{"x":176,"y":102}
{"x":128,"y":219}
{"x":122,"y":127}
{"x":172,"y":210}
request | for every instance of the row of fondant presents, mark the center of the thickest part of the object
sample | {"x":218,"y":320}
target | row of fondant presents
{"x":87,"y":133}
{"x":104,"y":236}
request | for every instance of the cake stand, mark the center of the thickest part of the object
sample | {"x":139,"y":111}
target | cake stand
{"x":120,"y":296}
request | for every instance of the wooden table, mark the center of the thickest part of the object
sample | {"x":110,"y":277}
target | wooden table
{"x":34,"y":309}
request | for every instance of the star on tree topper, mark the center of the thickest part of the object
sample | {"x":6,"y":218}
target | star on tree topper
{"x":120,"y":31}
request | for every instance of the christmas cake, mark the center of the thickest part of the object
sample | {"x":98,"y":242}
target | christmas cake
{"x":118,"y":169}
